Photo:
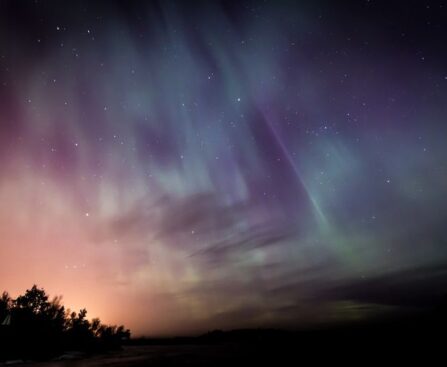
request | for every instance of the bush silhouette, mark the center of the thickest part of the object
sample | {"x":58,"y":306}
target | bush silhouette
{"x":33,"y":327}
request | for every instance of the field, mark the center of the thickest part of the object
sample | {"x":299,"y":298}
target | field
{"x":395,"y":342}
{"x":153,"y":355}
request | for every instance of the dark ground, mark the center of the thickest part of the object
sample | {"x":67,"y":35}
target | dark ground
{"x":379,"y":344}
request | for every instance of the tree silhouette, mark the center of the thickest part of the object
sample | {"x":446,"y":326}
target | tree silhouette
{"x":5,"y":305}
{"x":35,"y":301}
{"x":39,"y":328}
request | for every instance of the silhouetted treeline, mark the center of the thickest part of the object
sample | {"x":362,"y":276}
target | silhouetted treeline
{"x":34,"y":327}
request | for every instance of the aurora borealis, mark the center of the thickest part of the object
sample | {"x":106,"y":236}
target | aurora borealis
{"x":185,"y":166}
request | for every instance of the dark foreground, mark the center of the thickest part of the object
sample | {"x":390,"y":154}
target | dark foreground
{"x":272,"y":348}
{"x":151,"y":355}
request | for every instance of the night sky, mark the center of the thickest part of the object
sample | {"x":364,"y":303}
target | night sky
{"x":179,"y":167}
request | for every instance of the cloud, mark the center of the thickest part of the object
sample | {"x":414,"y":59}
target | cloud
{"x":204,"y":219}
{"x":424,"y":287}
